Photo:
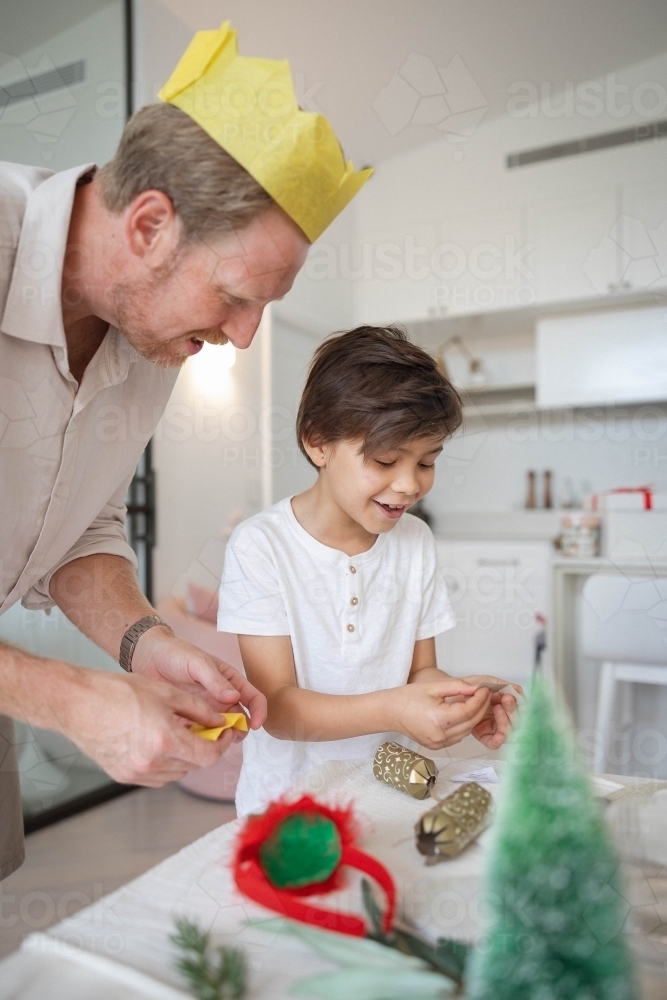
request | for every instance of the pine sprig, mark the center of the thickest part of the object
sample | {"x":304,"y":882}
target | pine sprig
{"x":212,"y":974}
{"x":447,"y":957}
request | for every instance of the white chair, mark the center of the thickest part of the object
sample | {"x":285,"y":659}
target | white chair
{"x":624,"y":627}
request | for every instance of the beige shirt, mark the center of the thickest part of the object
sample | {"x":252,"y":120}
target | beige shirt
{"x":67,"y":452}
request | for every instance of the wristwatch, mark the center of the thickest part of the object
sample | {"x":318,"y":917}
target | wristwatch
{"x":132,"y":636}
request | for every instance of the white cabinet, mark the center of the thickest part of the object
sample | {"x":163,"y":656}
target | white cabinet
{"x":602,"y":358}
{"x":481,"y":263}
{"x":572,"y":255}
{"x":471,"y":263}
{"x":392,"y":273}
{"x":608,"y":242}
{"x":497,"y":590}
{"x":586,"y":243}
{"x":642,"y":237}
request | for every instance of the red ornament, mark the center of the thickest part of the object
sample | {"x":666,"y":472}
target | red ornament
{"x":251,"y":878}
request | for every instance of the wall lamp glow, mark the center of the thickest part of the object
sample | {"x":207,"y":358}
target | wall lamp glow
{"x":211,"y":368}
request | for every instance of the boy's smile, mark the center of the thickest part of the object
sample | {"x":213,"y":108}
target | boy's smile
{"x":392,"y":511}
{"x":357,"y":497}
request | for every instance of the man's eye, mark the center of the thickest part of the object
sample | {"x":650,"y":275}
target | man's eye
{"x":231,"y":300}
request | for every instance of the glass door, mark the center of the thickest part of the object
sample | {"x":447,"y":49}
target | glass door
{"x":65,"y":94}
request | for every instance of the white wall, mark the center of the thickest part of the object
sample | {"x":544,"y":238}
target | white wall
{"x":463,"y":194}
{"x":225,"y":449}
{"x":322,"y":298}
{"x":292,"y":349}
{"x":210,"y":454}
{"x":77,"y":124}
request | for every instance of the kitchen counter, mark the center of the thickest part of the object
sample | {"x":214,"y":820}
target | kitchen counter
{"x":500,"y":526}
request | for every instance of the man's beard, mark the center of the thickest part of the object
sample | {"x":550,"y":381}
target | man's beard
{"x":132,"y":321}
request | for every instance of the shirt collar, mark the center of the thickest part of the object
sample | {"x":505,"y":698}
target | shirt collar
{"x":33,"y":310}
{"x":324,"y":553}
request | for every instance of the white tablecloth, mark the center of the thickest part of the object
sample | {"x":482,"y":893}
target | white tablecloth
{"x":119,"y":948}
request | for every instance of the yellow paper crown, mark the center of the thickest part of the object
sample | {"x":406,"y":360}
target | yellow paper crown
{"x":250,"y":108}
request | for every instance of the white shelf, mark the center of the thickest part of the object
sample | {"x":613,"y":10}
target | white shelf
{"x":498,"y":400}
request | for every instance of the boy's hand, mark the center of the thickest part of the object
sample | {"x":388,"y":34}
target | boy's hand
{"x":424,"y":712}
{"x":494,"y":729}
{"x":498,"y":697}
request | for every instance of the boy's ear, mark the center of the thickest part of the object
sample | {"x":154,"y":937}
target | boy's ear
{"x":318,"y":452}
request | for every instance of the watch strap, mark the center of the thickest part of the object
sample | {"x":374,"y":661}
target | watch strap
{"x":132,"y":636}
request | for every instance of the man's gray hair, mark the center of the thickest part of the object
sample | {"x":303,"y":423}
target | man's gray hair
{"x":163,"y":149}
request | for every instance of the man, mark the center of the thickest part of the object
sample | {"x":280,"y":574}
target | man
{"x":109,"y":280}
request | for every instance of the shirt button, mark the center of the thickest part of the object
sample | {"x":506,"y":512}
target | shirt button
{"x":354,"y":600}
{"x":353,"y":569}
{"x":350,"y":628}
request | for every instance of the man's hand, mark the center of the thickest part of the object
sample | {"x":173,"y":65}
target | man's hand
{"x":100,"y":594}
{"x":439,"y":713}
{"x":162,"y":656}
{"x":137,"y":729}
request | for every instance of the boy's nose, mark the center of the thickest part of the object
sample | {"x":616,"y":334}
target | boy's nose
{"x":406,"y":486}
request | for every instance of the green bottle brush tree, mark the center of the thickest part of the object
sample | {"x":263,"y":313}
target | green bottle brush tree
{"x":552,"y":877}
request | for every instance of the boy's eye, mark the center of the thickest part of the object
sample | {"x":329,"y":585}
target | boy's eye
{"x":424,"y":465}
{"x":385,"y":465}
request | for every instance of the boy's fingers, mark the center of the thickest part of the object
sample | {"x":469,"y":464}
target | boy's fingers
{"x":508,"y":702}
{"x":466,"y":714}
{"x":493,"y":732}
{"x":248,"y":695}
{"x":449,"y":688}
{"x":503,"y":721}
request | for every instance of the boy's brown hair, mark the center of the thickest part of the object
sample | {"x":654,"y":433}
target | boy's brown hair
{"x":371,"y":384}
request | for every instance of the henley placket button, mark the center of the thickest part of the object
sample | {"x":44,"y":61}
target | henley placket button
{"x":354,"y":600}
{"x":350,"y":628}
{"x":353,"y":569}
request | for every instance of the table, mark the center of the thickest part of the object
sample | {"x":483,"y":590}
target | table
{"x":118,"y":949}
{"x":568,"y":576}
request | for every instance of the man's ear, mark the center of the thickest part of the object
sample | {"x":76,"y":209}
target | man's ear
{"x":318,"y":452}
{"x":152,"y":228}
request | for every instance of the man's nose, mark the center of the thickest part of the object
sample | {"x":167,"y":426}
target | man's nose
{"x":242,"y":324}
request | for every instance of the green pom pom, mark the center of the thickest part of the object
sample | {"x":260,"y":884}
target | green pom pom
{"x":304,"y":849}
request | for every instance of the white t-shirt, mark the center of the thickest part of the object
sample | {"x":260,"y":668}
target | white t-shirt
{"x":353,"y":621}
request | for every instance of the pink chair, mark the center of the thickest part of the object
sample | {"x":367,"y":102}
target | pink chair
{"x":219,"y":781}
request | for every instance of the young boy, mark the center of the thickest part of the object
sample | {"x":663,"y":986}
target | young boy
{"x":336,"y":594}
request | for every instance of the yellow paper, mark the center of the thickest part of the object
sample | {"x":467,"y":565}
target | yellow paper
{"x":231,"y":720}
{"x":249,"y":107}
